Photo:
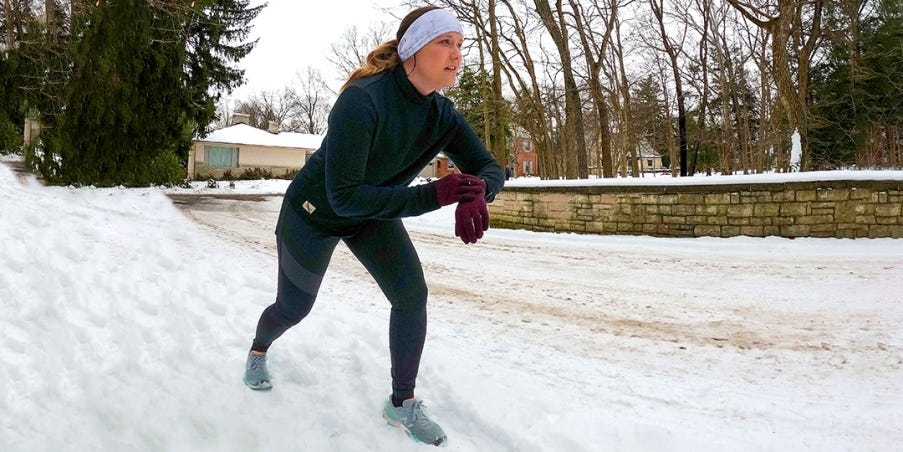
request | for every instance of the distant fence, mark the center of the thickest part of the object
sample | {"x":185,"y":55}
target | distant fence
{"x":842,"y":209}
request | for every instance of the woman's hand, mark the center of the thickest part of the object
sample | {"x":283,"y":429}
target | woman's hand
{"x":471,"y":219}
{"x":459,"y":188}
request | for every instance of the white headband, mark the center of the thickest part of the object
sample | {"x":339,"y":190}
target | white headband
{"x":426,"y":28}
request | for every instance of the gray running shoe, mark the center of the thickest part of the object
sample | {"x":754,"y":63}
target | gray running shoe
{"x":256,"y":375}
{"x":410,"y":418}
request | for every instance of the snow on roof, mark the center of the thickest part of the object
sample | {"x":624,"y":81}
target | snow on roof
{"x":245,"y":134}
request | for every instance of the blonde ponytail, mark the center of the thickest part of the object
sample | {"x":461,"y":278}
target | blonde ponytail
{"x":383,"y":58}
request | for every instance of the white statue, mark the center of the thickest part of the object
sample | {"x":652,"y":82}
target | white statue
{"x":796,"y":150}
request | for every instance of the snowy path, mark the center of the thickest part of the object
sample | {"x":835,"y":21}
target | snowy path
{"x":125,"y":321}
{"x":756,"y":341}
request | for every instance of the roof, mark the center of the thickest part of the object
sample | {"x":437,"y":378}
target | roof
{"x":646,"y":150}
{"x":245,"y":134}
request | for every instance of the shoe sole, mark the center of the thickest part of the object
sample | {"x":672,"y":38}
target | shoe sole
{"x":262,"y":386}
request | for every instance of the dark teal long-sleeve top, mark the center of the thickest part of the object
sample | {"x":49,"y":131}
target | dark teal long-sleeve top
{"x":382,"y":133}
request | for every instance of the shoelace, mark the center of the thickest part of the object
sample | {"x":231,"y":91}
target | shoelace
{"x":258,"y":362}
{"x":418,"y":417}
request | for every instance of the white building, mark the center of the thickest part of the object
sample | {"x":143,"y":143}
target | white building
{"x":240,"y":147}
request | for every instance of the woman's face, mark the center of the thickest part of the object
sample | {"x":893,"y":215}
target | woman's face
{"x":435,"y":66}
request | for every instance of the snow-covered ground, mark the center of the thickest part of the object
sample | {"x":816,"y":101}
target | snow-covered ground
{"x":125,"y":319}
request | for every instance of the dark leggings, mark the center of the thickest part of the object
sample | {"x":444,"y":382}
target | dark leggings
{"x":386,"y":251}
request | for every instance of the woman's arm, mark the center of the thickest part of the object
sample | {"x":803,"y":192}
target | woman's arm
{"x":352,"y":125}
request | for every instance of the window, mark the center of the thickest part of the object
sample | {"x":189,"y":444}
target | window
{"x":649,"y":163}
{"x":221,"y":156}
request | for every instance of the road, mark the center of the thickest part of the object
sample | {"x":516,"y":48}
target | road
{"x":582,"y":295}
{"x":776,"y":335}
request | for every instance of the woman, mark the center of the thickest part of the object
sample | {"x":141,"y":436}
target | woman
{"x":387,"y":124}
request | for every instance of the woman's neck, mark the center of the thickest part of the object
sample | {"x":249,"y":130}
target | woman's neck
{"x":415,"y":79}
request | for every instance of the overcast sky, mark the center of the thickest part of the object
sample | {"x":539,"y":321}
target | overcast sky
{"x":295,"y":34}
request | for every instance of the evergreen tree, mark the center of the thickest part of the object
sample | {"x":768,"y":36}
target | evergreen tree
{"x":15,"y":22}
{"x":858,"y":94}
{"x":469,"y":99}
{"x":143,"y":80}
{"x":217,"y":32}
{"x":10,"y":117}
{"x":649,"y":115}
{"x":123,"y":103}
{"x":45,"y":66}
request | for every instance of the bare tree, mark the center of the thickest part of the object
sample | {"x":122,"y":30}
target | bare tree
{"x":595,"y":49}
{"x":481,"y":16}
{"x":267,"y":106}
{"x":223,"y":116}
{"x":620,"y":84}
{"x":310,"y":103}
{"x":768,"y":129}
{"x":574,"y":141}
{"x":725,"y":77}
{"x":795,"y":29}
{"x":354,"y":45}
{"x":523,"y":76}
{"x":8,"y":24}
{"x":672,"y":49}
{"x":498,"y":104}
{"x":673,"y":152}
{"x":704,"y":28}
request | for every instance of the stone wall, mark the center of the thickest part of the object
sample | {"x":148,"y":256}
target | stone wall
{"x":842,"y":209}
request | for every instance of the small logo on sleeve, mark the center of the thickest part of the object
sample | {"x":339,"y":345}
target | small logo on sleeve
{"x":309,"y":207}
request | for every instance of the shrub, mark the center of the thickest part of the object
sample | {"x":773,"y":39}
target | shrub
{"x":10,"y":138}
{"x":255,"y":173}
{"x":165,"y":169}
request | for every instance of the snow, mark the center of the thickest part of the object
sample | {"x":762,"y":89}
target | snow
{"x":126,"y":318}
{"x":242,"y":187}
{"x":718,"y":179}
{"x":245,"y":134}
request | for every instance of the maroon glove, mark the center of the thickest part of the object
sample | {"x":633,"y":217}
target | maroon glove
{"x":459,"y":187}
{"x":471,"y":219}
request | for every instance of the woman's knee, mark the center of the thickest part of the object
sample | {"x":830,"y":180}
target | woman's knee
{"x":292,"y":311}
{"x":410,"y":297}
{"x":292,"y":303}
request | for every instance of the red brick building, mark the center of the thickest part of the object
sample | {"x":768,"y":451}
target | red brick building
{"x":524,"y":159}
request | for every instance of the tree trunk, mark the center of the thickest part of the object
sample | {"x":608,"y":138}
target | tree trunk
{"x":767,"y":128}
{"x":573,"y":124}
{"x":484,"y":89}
{"x":528,"y":94}
{"x":499,"y":146}
{"x":786,"y":29}
{"x":594,"y":54}
{"x":658,"y":11}
{"x":673,"y":156}
{"x":706,"y":8}
{"x":630,"y":139}
{"x":8,"y":14}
